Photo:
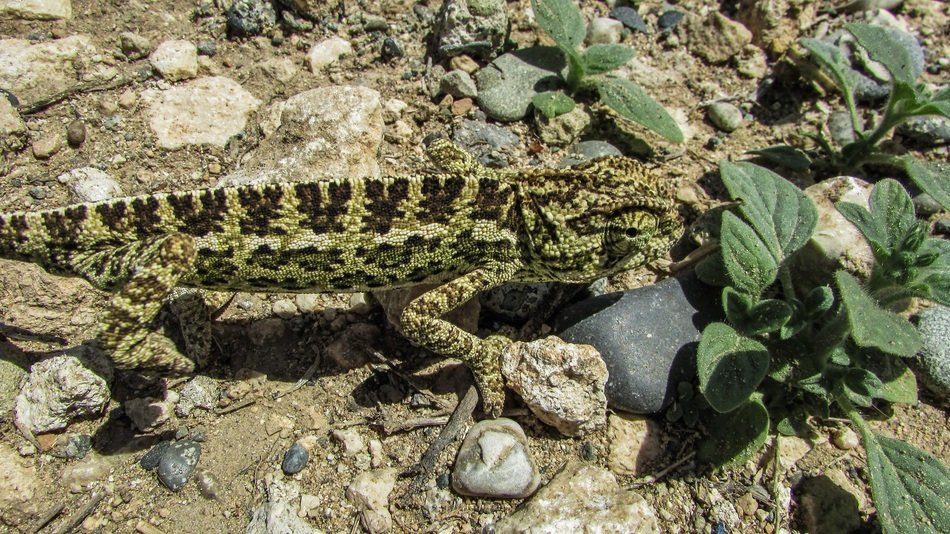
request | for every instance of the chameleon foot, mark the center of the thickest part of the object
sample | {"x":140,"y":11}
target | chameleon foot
{"x":487,"y":370}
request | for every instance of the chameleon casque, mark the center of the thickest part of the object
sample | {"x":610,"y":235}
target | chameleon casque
{"x":469,"y":228}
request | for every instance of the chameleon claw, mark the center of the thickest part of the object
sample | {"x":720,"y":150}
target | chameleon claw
{"x":488,"y":377}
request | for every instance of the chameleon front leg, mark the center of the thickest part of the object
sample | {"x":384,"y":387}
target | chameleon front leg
{"x":125,"y":331}
{"x":423,"y":325}
{"x":195,"y":310}
{"x":452,"y":159}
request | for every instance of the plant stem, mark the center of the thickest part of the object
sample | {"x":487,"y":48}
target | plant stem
{"x":785,"y":277}
{"x":831,"y":336}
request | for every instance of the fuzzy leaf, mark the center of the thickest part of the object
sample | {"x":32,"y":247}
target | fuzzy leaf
{"x":748,"y":262}
{"x":873,"y":326}
{"x":931,"y":176}
{"x":730,"y":366}
{"x":600,"y":58}
{"x":832,"y":60}
{"x":737,"y":435}
{"x":562,"y":21}
{"x":869,"y":227}
{"x":785,"y":156}
{"x":553,"y":103}
{"x":782,"y":215}
{"x":633,"y":103}
{"x":712,"y":271}
{"x":891,"y":206}
{"x":885,"y":49}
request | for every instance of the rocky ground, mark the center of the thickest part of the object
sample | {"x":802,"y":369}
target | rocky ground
{"x":119,"y":98}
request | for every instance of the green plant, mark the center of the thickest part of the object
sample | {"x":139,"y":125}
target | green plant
{"x":907,"y":100}
{"x":586,"y":72}
{"x":786,"y":357}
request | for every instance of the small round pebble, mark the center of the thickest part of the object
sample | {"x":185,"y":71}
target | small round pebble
{"x":669,"y":20}
{"x":207,"y":48}
{"x":845,"y":439}
{"x":76,"y":133}
{"x":178,"y":463}
{"x":208,"y":484}
{"x":725,"y":116}
{"x":392,"y":49}
{"x":45,"y":147}
{"x":295,"y":459}
{"x":154,"y":455}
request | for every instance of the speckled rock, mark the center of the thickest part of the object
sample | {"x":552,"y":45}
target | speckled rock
{"x":327,"y":52}
{"x":204,"y":111}
{"x":200,"y":392}
{"x":295,"y":459}
{"x":636,"y":445}
{"x":247,"y":18}
{"x":147,"y":413}
{"x":57,"y":391}
{"x":459,"y":84}
{"x":507,"y":84}
{"x":565,"y":128}
{"x":134,"y":46}
{"x":725,"y":116}
{"x":562,"y":384}
{"x":279,"y":514}
{"x":582,"y":498}
{"x":178,"y":463}
{"x":89,"y":184}
{"x":12,"y":128}
{"x":934,"y":358}
{"x":494,"y":461}
{"x":646,"y":336}
{"x":369,"y":493}
{"x":716,"y":39}
{"x":151,"y":459}
{"x":20,"y":487}
{"x":474,"y":27}
{"x":175,"y":60}
{"x":603,"y":30}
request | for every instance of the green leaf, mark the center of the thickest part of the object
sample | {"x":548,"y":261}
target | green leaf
{"x":832,"y":60}
{"x":553,"y":103}
{"x":932,"y":177}
{"x":782,"y":215}
{"x":712,"y":271}
{"x":631,"y":102}
{"x":785,"y":156}
{"x":911,"y":488}
{"x":730,"y":366}
{"x":898,"y":381}
{"x":562,"y":21}
{"x":736,"y":436}
{"x":748,"y":262}
{"x":939,"y":108}
{"x":870,"y":228}
{"x":600,"y":58}
{"x":894,"y":211}
{"x":864,"y":383}
{"x":873,"y":326}
{"x":818,"y":301}
{"x":884,"y":49}
{"x":767,"y":316}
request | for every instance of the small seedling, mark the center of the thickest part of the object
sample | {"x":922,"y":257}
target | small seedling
{"x":587,"y":72}
{"x":789,"y":353}
{"x":907,"y":99}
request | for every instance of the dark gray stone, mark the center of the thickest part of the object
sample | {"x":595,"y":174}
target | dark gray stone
{"x":392,"y":49}
{"x":207,"y":48}
{"x":247,"y":18}
{"x":926,"y":205}
{"x":647,"y":337}
{"x":930,"y":131}
{"x":942,"y":226}
{"x":630,"y":18}
{"x":668,"y":20}
{"x":490,"y":144}
{"x":178,"y":463}
{"x":71,"y":446}
{"x":934,"y":358}
{"x":507,"y":84}
{"x":295,"y":459}
{"x":154,"y":455}
{"x":76,"y":133}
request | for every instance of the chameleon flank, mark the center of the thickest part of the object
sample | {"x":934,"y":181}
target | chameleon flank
{"x":468,"y":229}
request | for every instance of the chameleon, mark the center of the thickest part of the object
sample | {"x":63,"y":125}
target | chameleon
{"x":466,"y":228}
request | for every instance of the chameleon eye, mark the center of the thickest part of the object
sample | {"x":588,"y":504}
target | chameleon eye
{"x":631,"y":232}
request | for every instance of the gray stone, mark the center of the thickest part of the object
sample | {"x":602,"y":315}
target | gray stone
{"x":89,"y":184}
{"x":200,"y":392}
{"x":247,"y":18}
{"x":716,"y":38}
{"x":587,"y":150}
{"x":20,"y":487}
{"x":279,"y":514}
{"x":36,"y":9}
{"x":58,"y":390}
{"x":81,"y":476}
{"x":582,"y":498}
{"x":630,"y":18}
{"x":562,"y":383}
{"x":840,"y":128}
{"x":147,"y":413}
{"x":931,"y":131}
{"x":178,"y":463}
{"x":134,"y":46}
{"x":494,"y":461}
{"x":13,"y":133}
{"x":668,"y":20}
{"x":925,"y":205}
{"x":76,"y":133}
{"x":934,"y":358}
{"x":490,"y":144}
{"x":71,"y":446}
{"x":507,"y":84}
{"x":295,"y":459}
{"x":473,"y":27}
{"x":459,"y":84}
{"x":725,"y":116}
{"x":391,"y":49}
{"x":151,"y":459}
{"x":204,"y":111}
{"x":646,"y":336}
{"x":327,"y":52}
{"x":565,"y":128}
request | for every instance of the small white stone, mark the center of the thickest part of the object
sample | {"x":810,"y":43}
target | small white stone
{"x":603,"y":30}
{"x":89,"y":184}
{"x":307,"y":302}
{"x":175,"y":60}
{"x":284,"y":308}
{"x":327,"y":52}
{"x":351,"y":440}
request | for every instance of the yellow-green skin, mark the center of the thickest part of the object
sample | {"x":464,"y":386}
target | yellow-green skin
{"x":470,"y":228}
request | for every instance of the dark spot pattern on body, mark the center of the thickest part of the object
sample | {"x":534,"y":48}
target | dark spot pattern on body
{"x":64,"y":227}
{"x":384,"y":204}
{"x":323,"y":215}
{"x":314,"y":259}
{"x":199,"y":220}
{"x":146,"y":218}
{"x":112,"y":215}
{"x":439,"y":193}
{"x":261,"y":208}
{"x":489,"y":200}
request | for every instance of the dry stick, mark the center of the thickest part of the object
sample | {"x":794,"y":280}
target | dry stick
{"x":235,"y":407}
{"x":47,"y":517}
{"x":391,"y":367}
{"x":80,"y":515}
{"x":44,"y":103}
{"x":390,"y":427}
{"x":308,"y":374}
{"x":646,"y":481}
{"x":463,"y":412}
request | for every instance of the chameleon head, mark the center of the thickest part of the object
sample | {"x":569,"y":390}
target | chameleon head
{"x":596,"y":219}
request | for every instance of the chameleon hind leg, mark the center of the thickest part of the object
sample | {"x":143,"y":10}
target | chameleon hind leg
{"x":452,"y":158}
{"x":195,"y":310}
{"x":144,"y":275}
{"x":422,"y":324}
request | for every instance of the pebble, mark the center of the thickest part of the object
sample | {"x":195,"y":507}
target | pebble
{"x":80,"y":476}
{"x":327,"y":52}
{"x":489,"y":143}
{"x":725,"y":116}
{"x":562,"y":384}
{"x":585,"y":498}
{"x":494,"y":461}
{"x":630,"y":18}
{"x":930,"y":131}
{"x":58,"y":390}
{"x":478,"y":28}
{"x":350,"y":439}
{"x":669,"y":20}
{"x":46,"y":147}
{"x":175,"y":60}
{"x":646,"y":336}
{"x":391,"y":49}
{"x":13,"y":132}
{"x":37,"y":9}
{"x":147,"y":413}
{"x":934,"y":358}
{"x":178,"y":463}
{"x":284,"y":308}
{"x":926,"y":205}
{"x":207,"y":48}
{"x":247,"y":18}
{"x":134,"y":46}
{"x":89,"y":184}
{"x":603,"y":30}
{"x":295,"y":459}
{"x":845,"y":438}
{"x":459,"y":84}
{"x":71,"y":446}
{"x":279,"y":513}
{"x":369,"y":493}
{"x":840,"y":128}
{"x":717,"y":38}
{"x":565,"y":128}
{"x":76,"y":133}
{"x":151,"y":459}
{"x":507,"y":84}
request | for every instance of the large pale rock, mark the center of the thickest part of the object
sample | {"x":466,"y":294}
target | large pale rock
{"x":59,"y":389}
{"x":175,"y":60}
{"x":19,"y":487}
{"x":323,"y":133}
{"x":36,"y":9}
{"x":36,"y":71}
{"x":204,"y":111}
